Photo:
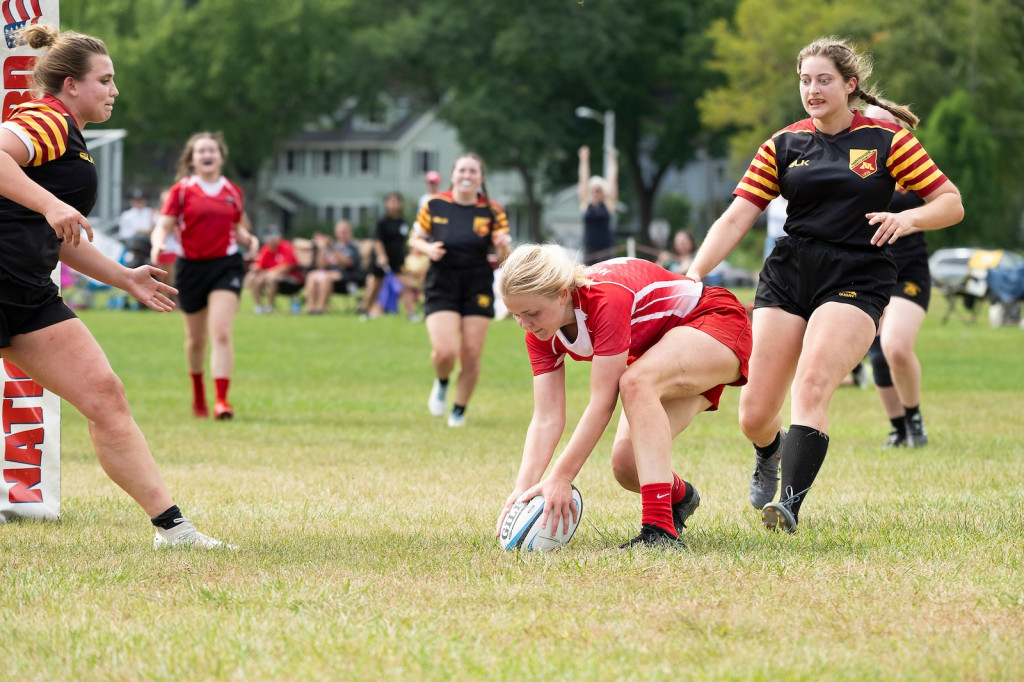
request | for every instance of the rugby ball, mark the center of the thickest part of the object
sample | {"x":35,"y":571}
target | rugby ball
{"x":521,"y":527}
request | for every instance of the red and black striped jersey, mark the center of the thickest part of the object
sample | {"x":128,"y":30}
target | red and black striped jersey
{"x":833,"y":181}
{"x":59,"y":161}
{"x":465,"y":230}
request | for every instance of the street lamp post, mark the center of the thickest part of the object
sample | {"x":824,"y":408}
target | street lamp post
{"x":607,"y":119}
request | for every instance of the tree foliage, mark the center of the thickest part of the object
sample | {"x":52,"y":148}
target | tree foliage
{"x":962,"y":146}
{"x":230,"y":65}
{"x":681,"y":77}
{"x":510,"y":75}
{"x":922,"y":52}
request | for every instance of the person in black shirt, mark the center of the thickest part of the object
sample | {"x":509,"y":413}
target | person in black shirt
{"x":457,"y":230}
{"x":48,"y":184}
{"x":823,"y":288}
{"x":598,"y":198}
{"x":897,"y":370}
{"x":390,"y":244}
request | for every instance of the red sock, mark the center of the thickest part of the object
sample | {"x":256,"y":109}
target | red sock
{"x":198,"y":393}
{"x":678,"y":488}
{"x":222,"y":388}
{"x":657,"y":506}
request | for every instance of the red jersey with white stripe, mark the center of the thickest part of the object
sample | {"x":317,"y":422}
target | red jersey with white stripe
{"x":207,"y":214}
{"x":629,"y":307}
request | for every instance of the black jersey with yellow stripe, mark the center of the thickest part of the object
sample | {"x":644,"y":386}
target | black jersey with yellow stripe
{"x":833,"y":181}
{"x":61,"y":163}
{"x":465,"y":230}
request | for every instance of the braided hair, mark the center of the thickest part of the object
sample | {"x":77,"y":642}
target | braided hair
{"x":851,"y":64}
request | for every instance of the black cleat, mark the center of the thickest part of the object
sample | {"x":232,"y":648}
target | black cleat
{"x":896,"y":439}
{"x":916,"y":435}
{"x":654,"y":536}
{"x":681,"y":511}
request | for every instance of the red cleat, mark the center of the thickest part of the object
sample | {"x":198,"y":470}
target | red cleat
{"x":200,"y":410}
{"x":223,"y":410}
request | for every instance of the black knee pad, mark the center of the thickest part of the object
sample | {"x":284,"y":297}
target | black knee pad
{"x":878,"y":364}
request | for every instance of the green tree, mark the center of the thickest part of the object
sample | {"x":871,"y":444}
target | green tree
{"x":756,"y":52}
{"x":510,"y":75}
{"x":232,"y":65}
{"x":977,"y":48}
{"x":962,"y":146}
{"x":922,"y":52}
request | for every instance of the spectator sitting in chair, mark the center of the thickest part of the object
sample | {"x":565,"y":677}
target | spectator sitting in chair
{"x":275,"y":266}
{"x":337,"y":268}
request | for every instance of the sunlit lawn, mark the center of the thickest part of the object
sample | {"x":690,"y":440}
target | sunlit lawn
{"x":365,"y":528}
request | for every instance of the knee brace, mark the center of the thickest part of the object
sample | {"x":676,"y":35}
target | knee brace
{"x":878,"y":364}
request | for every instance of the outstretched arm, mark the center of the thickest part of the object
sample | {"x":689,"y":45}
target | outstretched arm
{"x":583,"y":176}
{"x":139,"y":282}
{"x":557,"y":487}
{"x":542,"y":435}
{"x":611,"y":200}
{"x":724,"y":235}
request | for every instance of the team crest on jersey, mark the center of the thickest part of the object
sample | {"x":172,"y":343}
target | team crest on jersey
{"x":481,"y":226}
{"x":863,"y":162}
{"x":911,"y":290}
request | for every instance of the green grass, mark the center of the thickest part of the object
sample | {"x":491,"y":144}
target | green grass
{"x":366,"y":529}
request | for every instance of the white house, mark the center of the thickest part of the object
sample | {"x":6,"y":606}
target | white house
{"x":346,"y":171}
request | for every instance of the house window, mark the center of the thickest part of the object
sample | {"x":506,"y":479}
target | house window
{"x":424,"y":160}
{"x":329,"y":212}
{"x":327,"y":162}
{"x":346,"y":212}
{"x":288,"y":162}
{"x":365,"y":162}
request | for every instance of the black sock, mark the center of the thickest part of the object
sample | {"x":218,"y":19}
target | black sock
{"x":764,"y":453}
{"x":899,"y":424}
{"x":443,"y":382}
{"x":802,"y":456}
{"x":458,"y":409}
{"x":169,"y":519}
{"x":911,"y":412}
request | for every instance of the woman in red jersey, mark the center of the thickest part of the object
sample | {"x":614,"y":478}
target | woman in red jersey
{"x":824,"y":286}
{"x":48,"y":184}
{"x":205,"y":211}
{"x":456,"y":230}
{"x":665,"y":344}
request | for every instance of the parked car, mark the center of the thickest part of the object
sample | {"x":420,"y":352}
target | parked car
{"x":963,"y":274}
{"x":952,"y":267}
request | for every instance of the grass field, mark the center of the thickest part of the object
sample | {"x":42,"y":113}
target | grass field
{"x":366,"y":531}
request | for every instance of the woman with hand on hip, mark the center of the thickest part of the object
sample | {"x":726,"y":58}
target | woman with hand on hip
{"x":823,"y":288}
{"x":457,"y":230}
{"x":205,"y":212}
{"x":48,"y":184}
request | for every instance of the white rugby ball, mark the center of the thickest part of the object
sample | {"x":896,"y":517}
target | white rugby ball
{"x":521,"y":528}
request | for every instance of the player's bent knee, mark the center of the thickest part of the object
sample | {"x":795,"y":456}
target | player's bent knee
{"x":104,"y":399}
{"x":624,"y":467}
